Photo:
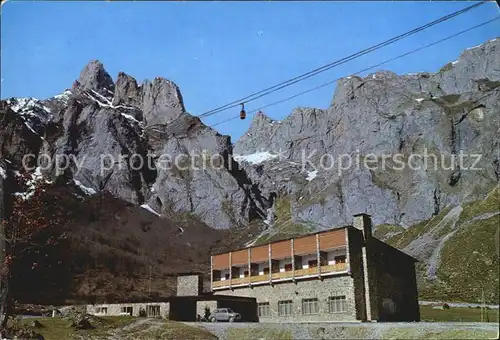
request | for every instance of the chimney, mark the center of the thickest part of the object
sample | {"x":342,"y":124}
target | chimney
{"x":189,"y":284}
{"x":363,"y":222}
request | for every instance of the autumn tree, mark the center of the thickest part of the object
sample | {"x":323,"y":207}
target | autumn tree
{"x":33,"y":229}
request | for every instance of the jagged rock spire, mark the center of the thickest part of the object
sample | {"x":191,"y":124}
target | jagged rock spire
{"x":94,"y":77}
{"x":161,"y":101}
{"x":127,"y":92}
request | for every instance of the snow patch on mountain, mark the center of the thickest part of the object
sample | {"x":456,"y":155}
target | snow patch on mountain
{"x":32,"y":111}
{"x":151,"y":210}
{"x":255,"y":158}
{"x":107,"y":102}
{"x":130,"y":117}
{"x":88,"y":191}
{"x":20,"y":103}
{"x":311,"y":175}
{"x":63,"y":97}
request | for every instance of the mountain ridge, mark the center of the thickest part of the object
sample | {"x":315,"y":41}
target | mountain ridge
{"x":96,"y":118}
{"x":382,"y":113}
{"x":263,"y":190}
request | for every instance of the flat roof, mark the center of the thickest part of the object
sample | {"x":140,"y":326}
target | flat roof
{"x":184,"y":274}
{"x":285,"y":239}
{"x":176,"y":298}
{"x":320,"y":232}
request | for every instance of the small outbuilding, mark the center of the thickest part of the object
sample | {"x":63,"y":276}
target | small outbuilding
{"x":189,"y":304}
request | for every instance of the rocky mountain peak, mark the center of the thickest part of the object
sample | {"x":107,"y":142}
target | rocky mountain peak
{"x":161,"y":101}
{"x":261,"y":116}
{"x":140,"y":139}
{"x":127,"y":91}
{"x":382,"y":113}
{"x":94,"y":77}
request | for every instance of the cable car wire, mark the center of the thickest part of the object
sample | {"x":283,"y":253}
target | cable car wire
{"x":364,"y":70}
{"x":326,"y":67}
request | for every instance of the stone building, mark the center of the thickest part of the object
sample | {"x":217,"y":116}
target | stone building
{"x":342,"y":274}
{"x":189,"y":302}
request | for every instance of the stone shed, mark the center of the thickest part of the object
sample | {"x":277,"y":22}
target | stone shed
{"x":189,"y":302}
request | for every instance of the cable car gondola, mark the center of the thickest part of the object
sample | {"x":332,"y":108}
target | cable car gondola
{"x":243,"y":114}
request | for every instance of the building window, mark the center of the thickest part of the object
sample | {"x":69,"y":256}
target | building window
{"x":340,"y":259}
{"x":310,"y":306}
{"x":263,"y":309}
{"x":216,"y":275}
{"x":337,"y":304}
{"x":288,"y":267}
{"x":313,"y":263}
{"x":128,"y":310}
{"x":266,"y":271}
{"x":102,"y":310}
{"x":285,"y":308}
{"x":153,"y":311}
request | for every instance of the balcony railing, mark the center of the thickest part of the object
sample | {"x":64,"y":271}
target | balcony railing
{"x":306,"y":271}
{"x":239,"y":281}
{"x":339,"y":267}
{"x":334,"y":268}
{"x":282,"y":275}
{"x":222,"y":283}
{"x":259,"y":278}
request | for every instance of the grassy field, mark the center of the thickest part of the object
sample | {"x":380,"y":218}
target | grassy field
{"x":467,"y":267}
{"x":416,"y":333}
{"x":59,"y":328}
{"x":427,"y":313}
{"x":323,"y":331}
{"x":122,"y":327}
{"x":131,"y":328}
{"x":163,"y":329}
{"x":258,"y":333}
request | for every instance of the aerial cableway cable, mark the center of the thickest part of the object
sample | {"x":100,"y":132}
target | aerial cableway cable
{"x":363,"y":70}
{"x":326,"y":67}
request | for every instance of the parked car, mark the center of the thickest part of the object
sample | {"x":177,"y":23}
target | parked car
{"x":224,"y":314}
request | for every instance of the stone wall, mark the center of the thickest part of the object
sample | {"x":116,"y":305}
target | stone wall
{"x":302,"y":289}
{"x":189,"y":285}
{"x":115,"y":309}
{"x":355,"y":245}
{"x":392,"y":274}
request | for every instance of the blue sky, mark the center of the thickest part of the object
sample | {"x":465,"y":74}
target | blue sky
{"x":218,"y":52}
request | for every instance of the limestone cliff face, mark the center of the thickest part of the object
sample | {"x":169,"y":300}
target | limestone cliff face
{"x":130,"y":128}
{"x":454,"y":110}
{"x":100,"y":129}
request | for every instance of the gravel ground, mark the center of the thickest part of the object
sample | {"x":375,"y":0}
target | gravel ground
{"x":322,"y":330}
